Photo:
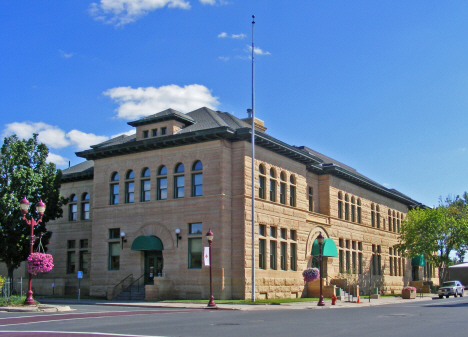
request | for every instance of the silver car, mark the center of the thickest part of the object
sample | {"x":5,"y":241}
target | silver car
{"x":448,"y":288}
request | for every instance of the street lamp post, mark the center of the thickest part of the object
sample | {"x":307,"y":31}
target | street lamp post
{"x":40,"y":208}
{"x":211,"y":303}
{"x":320,"y":303}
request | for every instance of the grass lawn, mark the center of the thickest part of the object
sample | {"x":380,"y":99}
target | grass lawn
{"x":13,"y":301}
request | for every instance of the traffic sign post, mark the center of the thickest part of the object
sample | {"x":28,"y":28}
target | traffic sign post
{"x":80,"y":276}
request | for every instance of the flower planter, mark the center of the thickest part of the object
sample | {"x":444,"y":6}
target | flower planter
{"x":408,"y":294}
{"x":39,"y":263}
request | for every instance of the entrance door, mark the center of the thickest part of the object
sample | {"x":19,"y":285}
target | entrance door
{"x":153,"y":265}
{"x":415,"y":273}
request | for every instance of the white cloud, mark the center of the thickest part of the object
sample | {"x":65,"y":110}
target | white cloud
{"x":128,"y":133}
{"x":121,"y":12}
{"x":65,"y":55}
{"x":224,"y":58}
{"x":208,"y":2}
{"x":257,"y":51}
{"x":238,"y":36}
{"x":224,"y":35}
{"x":56,"y":159}
{"x":52,"y":136}
{"x":83,"y":141}
{"x":135,"y":103}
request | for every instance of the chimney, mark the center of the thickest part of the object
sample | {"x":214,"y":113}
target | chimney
{"x":259,"y":124}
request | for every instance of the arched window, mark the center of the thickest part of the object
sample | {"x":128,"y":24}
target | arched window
{"x":197,"y":179}
{"x":373,"y":215}
{"x":114,"y":189}
{"x":129,"y":187}
{"x":283,"y":188}
{"x":73,"y":208}
{"x":145,"y":188}
{"x":261,"y":182}
{"x":161,"y":190}
{"x":346,"y":208}
{"x":85,"y":206}
{"x":179,"y":181}
{"x":292,"y":191}
{"x":340,"y":205}
{"x":353,"y":209}
{"x":359,"y":218}
{"x":272,"y":185}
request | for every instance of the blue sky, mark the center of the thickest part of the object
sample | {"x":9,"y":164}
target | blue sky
{"x":378,"y":85}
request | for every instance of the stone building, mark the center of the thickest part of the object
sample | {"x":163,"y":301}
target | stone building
{"x":140,"y":207}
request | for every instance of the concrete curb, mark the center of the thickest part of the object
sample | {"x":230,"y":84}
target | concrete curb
{"x":38,"y":308}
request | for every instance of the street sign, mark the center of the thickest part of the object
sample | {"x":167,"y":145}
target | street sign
{"x":80,"y":274}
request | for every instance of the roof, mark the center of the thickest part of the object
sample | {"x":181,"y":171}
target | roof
{"x":81,"y":171}
{"x":205,"y":124}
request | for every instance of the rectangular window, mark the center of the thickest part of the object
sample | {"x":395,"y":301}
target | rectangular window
{"x":394,"y":224}
{"x":273,"y":232}
{"x":340,"y":209}
{"x":272,"y":190}
{"x":85,"y":211}
{"x":292,"y":196}
{"x":353,"y":245}
{"x":197,"y":184}
{"x":347,"y":244}
{"x":261,"y":187}
{"x":395,"y":265}
{"x":391,"y":265}
{"x":378,"y":220}
{"x":283,"y":233}
{"x":261,"y":253}
{"x":354,"y":267}
{"x":293,"y":256}
{"x":311,"y":203}
{"x":283,"y":255}
{"x":348,"y":266}
{"x":273,"y":255}
{"x":84,"y":243}
{"x":154,"y":132}
{"x":341,"y":261}
{"x":162,"y":189}
{"x":114,"y":233}
{"x":84,"y":261}
{"x":129,"y":192}
{"x":114,"y":195}
{"x":360,"y":262}
{"x":353,"y":213}
{"x":70,"y":262}
{"x":283,"y":193}
{"x":261,"y":230}
{"x":114,"y":255}
{"x":179,"y":182}
{"x":145,"y":134}
{"x":71,"y":244}
{"x":373,"y":218}
{"x":73,"y":212}
{"x":195,"y":228}
{"x":145,"y":190}
{"x":346,"y":211}
{"x":399,"y":267}
{"x":359,"y":214}
{"x":163,"y":131}
{"x":195,"y":253}
{"x":293,"y":235}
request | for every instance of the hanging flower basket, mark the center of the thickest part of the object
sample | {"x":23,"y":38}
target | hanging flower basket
{"x":40,"y":263}
{"x":311,"y":274}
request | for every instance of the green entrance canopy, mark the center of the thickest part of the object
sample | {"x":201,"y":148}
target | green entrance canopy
{"x":418,"y":261}
{"x":328,"y":248}
{"x":147,"y":243}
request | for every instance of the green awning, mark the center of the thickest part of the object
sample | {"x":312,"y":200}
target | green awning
{"x":418,"y":261}
{"x":147,"y":243}
{"x":328,"y":248}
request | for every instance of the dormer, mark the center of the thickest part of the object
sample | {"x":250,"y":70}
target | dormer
{"x":161,"y":124}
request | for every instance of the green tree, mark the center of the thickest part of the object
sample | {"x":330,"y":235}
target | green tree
{"x":25,"y":173}
{"x":436,"y":232}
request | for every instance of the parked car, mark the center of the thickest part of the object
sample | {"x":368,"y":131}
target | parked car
{"x":448,"y":288}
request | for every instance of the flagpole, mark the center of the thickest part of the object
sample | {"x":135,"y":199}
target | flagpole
{"x":253,"y":160}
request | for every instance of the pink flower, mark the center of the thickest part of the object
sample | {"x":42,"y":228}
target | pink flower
{"x":39,"y":263}
{"x":311,"y":274}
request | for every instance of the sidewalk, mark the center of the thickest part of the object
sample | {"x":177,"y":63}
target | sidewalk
{"x":53,"y":305}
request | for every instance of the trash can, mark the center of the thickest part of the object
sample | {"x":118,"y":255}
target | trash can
{"x":338,"y":292}
{"x":375,"y":291}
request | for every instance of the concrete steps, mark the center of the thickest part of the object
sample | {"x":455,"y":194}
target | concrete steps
{"x":132,"y":293}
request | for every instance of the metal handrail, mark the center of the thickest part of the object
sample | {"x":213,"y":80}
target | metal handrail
{"x":121,"y":282}
{"x":137,"y":280}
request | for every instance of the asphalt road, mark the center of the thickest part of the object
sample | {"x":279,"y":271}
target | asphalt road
{"x":447,"y":317}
